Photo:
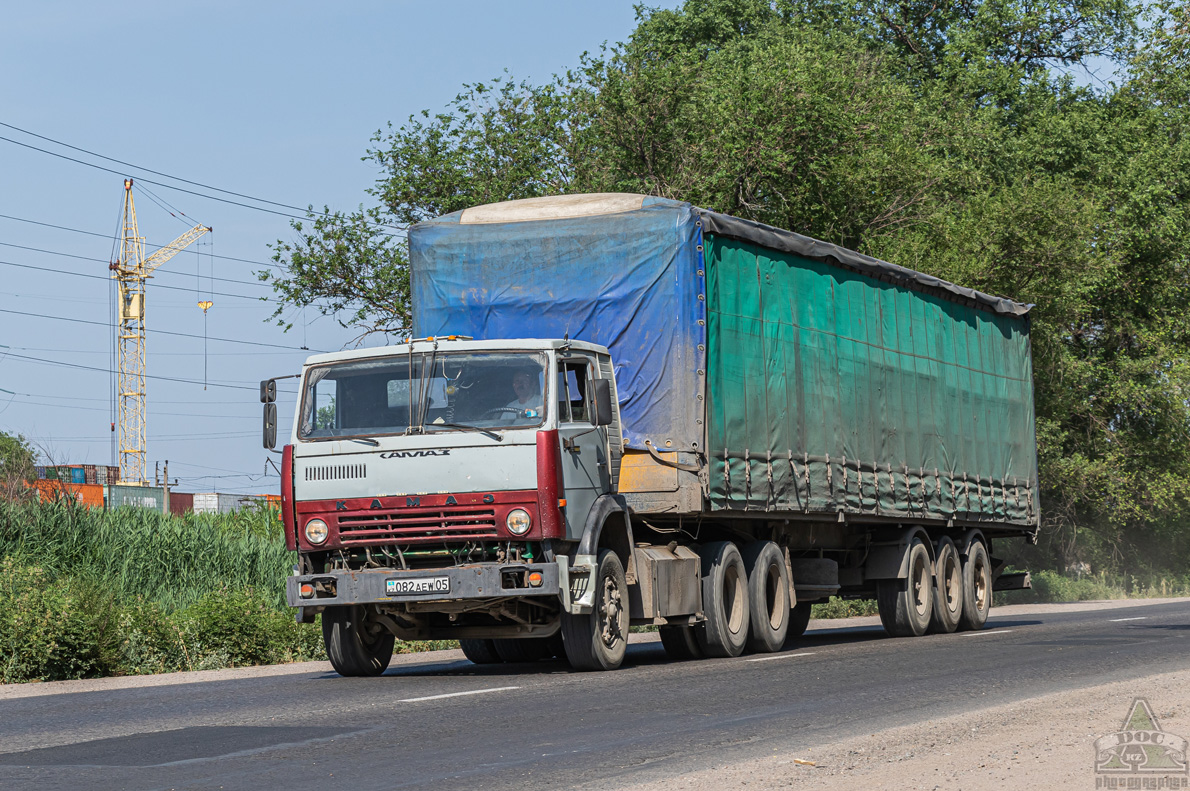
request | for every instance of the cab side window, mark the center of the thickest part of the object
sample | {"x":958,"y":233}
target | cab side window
{"x":573,"y":406}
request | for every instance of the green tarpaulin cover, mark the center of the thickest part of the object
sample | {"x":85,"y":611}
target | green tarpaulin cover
{"x":834,"y":391}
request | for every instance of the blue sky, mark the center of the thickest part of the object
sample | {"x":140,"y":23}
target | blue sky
{"x":270,"y":99}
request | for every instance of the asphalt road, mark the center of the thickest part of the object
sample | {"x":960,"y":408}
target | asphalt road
{"x":449,"y":724}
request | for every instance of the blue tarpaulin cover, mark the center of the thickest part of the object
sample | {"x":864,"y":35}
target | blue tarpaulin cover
{"x":632,"y":281}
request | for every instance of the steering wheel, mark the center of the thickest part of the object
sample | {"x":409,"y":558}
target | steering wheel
{"x":501,"y":410}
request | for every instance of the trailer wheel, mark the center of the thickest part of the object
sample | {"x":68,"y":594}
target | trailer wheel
{"x":768,"y":596}
{"x":480,"y":652}
{"x":906,"y":611}
{"x":680,"y":642}
{"x":599,"y":640}
{"x":355,"y":647}
{"x":522,"y":649}
{"x":724,"y":600}
{"x":948,"y":596}
{"x":799,"y":618}
{"x":977,"y":588}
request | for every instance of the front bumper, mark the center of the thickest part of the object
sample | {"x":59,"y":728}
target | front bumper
{"x":475,"y":581}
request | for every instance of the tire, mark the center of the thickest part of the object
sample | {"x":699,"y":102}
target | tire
{"x":354,"y":648}
{"x":799,"y":619}
{"x":768,"y":596}
{"x":724,"y":600}
{"x":948,"y":591}
{"x":481,"y":652}
{"x":977,"y":588}
{"x":599,"y":640}
{"x":680,"y":642}
{"x":522,"y":649}
{"x":906,"y":612}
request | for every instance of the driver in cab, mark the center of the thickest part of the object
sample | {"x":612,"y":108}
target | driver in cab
{"x":528,"y":397}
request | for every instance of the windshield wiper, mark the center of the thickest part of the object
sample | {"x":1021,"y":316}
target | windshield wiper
{"x":366,"y":441}
{"x":483,"y":431}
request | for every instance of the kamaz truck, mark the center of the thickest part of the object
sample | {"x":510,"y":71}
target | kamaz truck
{"x":618,"y":410}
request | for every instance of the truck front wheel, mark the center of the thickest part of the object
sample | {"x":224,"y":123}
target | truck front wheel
{"x":599,"y":640}
{"x":355,"y":646}
{"x":907,"y":605}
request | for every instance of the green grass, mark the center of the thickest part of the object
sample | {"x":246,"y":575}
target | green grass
{"x":87,"y":593}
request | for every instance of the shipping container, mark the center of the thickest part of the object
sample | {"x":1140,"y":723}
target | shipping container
{"x":84,"y":494}
{"x":113,"y":475}
{"x":101,"y":476}
{"x":51,"y":473}
{"x":39,"y":470}
{"x":134,"y":497}
{"x":89,"y":474}
{"x":206,"y":503}
{"x":180,"y":503}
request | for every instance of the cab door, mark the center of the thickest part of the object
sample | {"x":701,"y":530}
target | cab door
{"x":585,"y":474}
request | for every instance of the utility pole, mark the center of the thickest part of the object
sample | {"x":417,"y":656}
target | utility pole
{"x":130,"y":272}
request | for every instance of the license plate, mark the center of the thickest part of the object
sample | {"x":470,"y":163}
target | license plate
{"x":418,"y":585}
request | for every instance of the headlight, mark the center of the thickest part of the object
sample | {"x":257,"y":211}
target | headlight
{"x":518,"y":521}
{"x":316,"y":531}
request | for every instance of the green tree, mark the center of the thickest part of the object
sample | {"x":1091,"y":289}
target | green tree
{"x":944,"y":137}
{"x":16,"y":467}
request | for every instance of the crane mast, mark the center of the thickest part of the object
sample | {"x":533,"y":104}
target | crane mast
{"x":130,"y":272}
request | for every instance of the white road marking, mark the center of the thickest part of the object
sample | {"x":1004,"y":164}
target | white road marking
{"x":779,"y":656}
{"x":1137,"y":618}
{"x":457,"y":694}
{"x":994,"y":631}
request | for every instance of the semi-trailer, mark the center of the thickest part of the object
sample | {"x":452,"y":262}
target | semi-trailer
{"x":625,"y":410}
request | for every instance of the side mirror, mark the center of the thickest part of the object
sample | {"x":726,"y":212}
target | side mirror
{"x":268,"y":391}
{"x":603,"y":402}
{"x":270,"y":425}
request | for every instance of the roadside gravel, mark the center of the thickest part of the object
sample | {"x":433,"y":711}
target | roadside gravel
{"x":1044,"y":743}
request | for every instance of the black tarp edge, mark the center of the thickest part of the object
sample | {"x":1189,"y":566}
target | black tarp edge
{"x":790,"y":242}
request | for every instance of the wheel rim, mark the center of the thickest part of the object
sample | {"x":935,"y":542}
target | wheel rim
{"x":921,"y":589}
{"x":952,"y":587}
{"x":772,"y":595}
{"x":609,"y":613}
{"x":733,"y":599}
{"x":981,"y":586}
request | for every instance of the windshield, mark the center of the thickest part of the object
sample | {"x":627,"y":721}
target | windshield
{"x":490,"y":390}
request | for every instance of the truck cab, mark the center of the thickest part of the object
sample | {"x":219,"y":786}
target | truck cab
{"x":442,"y":489}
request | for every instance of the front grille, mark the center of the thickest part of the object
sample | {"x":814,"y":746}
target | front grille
{"x":418,"y":526}
{"x":336,"y":472}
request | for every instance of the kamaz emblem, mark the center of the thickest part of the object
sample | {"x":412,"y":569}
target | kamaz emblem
{"x":414,"y":454}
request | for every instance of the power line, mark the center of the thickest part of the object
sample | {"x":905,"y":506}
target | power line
{"x":109,"y":236}
{"x":159,"y":332}
{"x":155,"y":274}
{"x":172,"y":187}
{"x":168,"y":176}
{"x":101,"y":277}
{"x":108,"y":371}
{"x":155,"y":414}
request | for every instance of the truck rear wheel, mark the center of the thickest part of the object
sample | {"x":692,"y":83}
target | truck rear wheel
{"x":480,"y":652}
{"x":977,"y":588}
{"x":948,"y":596}
{"x":680,"y":642}
{"x":724,"y":600}
{"x":599,"y":640}
{"x":355,"y":646}
{"x":907,"y":605}
{"x":799,"y":618}
{"x":768,"y":596}
{"x":522,"y":649}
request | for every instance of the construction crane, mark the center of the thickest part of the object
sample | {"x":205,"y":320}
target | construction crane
{"x":130,"y":272}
